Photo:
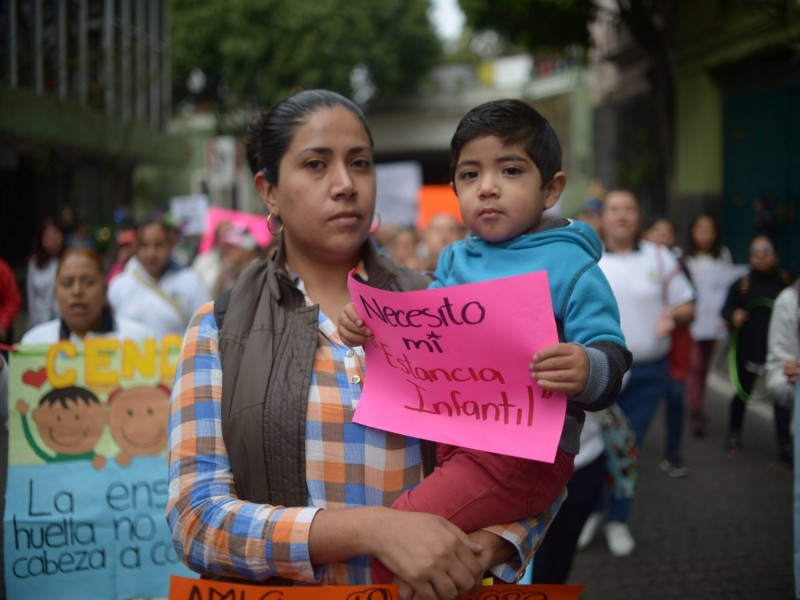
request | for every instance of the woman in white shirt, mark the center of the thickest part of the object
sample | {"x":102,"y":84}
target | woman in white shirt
{"x":153,"y":289}
{"x":48,"y":245}
{"x":704,"y":251}
{"x":80,"y":291}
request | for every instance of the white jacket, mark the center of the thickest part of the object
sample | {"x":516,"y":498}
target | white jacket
{"x":783,"y":344}
{"x":166,"y":305}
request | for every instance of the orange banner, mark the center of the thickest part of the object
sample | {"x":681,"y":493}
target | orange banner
{"x":183,"y":588}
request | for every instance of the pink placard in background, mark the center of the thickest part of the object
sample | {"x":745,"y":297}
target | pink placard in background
{"x":452,"y":365}
{"x":257,"y":224}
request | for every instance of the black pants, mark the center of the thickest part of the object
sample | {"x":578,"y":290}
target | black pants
{"x":553,"y":561}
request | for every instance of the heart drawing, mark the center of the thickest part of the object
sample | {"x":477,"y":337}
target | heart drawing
{"x":35,"y":378}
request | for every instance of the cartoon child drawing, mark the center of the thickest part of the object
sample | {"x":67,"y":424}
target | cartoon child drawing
{"x":137,"y":419}
{"x":70,"y":421}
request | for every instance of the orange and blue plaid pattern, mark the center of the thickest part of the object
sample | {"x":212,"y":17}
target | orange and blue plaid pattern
{"x":347,"y":465}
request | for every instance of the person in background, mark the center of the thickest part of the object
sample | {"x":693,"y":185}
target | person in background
{"x":83,"y":306}
{"x":48,"y":244}
{"x":783,"y":366}
{"x":654,"y":297}
{"x":704,"y":249}
{"x":238,"y":250}
{"x":662,"y":231}
{"x":442,"y":230}
{"x":747,"y":311}
{"x":126,"y":248}
{"x":261,"y":431}
{"x":76,"y":232}
{"x":10,"y":303}
{"x":553,"y":561}
{"x":208,"y":265}
{"x":152,"y":288}
{"x":403,"y":247}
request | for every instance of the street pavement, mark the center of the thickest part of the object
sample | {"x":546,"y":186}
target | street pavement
{"x":724,"y":531}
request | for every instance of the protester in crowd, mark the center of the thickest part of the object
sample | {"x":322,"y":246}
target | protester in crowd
{"x":208,"y":265}
{"x":442,"y":229}
{"x":48,"y":244}
{"x":783,"y":365}
{"x":505,"y":166}
{"x":703,"y":250}
{"x":662,"y":231}
{"x":76,"y":232}
{"x":152,"y":288}
{"x":4,"y":391}
{"x":403,"y":248}
{"x":239,"y":250}
{"x":10,"y":302}
{"x":747,"y":311}
{"x":126,"y":248}
{"x":653,"y":297}
{"x":83,"y":306}
{"x":277,"y":353}
{"x":553,"y":561}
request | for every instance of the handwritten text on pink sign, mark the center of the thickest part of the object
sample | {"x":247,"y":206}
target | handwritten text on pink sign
{"x":452,"y":365}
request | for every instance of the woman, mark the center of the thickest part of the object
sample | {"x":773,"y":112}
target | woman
{"x":747,"y":312}
{"x":654,"y":297}
{"x":279,"y":432}
{"x":81,"y":296}
{"x":48,"y":244}
{"x":704,"y":251}
{"x":152,"y":288}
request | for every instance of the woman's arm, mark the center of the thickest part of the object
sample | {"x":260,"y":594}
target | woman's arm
{"x":213,"y":531}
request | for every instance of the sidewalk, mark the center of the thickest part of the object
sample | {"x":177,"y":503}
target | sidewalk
{"x":725,"y":531}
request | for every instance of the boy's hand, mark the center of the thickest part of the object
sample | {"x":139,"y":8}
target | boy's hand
{"x":351,"y":328}
{"x":562,"y":368}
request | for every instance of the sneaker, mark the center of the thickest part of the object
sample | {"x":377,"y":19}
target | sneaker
{"x":734,"y":444}
{"x":619,"y":539}
{"x":589,"y":530}
{"x":674,"y":468}
{"x":699,"y":425}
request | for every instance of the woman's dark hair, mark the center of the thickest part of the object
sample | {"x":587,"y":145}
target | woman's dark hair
{"x":716,"y":247}
{"x":513,"y":122}
{"x":165,"y":224}
{"x":40,"y":256}
{"x":93,"y":255}
{"x":271,"y":132}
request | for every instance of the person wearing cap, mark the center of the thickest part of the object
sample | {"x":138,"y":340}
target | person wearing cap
{"x":126,"y":247}
{"x":238,"y":248}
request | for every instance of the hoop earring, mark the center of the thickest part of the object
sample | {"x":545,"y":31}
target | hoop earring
{"x":271,"y":226}
{"x":376,"y":223}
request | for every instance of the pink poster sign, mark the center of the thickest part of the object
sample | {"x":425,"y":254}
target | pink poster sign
{"x":452,"y":365}
{"x":256,"y":224}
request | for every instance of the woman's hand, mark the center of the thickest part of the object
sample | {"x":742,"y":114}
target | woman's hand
{"x":739,"y":317}
{"x":431,"y":558}
{"x":791,"y":368}
{"x":351,"y":328}
{"x":562,"y":368}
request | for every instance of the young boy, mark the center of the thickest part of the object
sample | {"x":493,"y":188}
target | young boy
{"x":505,"y":168}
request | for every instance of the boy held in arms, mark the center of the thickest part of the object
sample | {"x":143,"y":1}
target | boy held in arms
{"x":505,"y":167}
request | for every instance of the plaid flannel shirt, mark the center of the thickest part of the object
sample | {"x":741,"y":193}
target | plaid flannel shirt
{"x":347,"y":465}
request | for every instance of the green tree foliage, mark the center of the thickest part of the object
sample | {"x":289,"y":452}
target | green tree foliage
{"x":533,"y":24}
{"x":253,"y":52}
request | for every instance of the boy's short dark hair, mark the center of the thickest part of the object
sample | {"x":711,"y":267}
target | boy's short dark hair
{"x":512,"y":121}
{"x":69,"y":394}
